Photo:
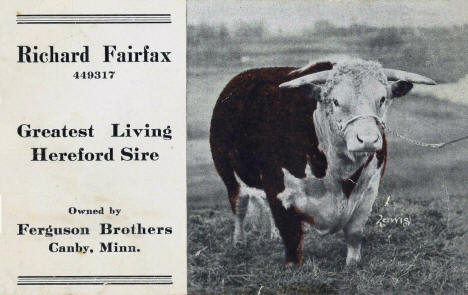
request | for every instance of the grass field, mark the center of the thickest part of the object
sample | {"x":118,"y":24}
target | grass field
{"x":428,"y":256}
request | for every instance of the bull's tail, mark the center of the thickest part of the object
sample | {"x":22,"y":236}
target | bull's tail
{"x":223,"y":164}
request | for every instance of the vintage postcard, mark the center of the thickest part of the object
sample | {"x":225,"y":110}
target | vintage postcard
{"x":326,"y":147}
{"x":93,"y":189}
{"x":234,"y":147}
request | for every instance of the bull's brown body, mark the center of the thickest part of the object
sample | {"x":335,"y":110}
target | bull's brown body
{"x":258,"y":129}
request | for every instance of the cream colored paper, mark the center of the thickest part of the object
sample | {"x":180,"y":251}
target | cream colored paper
{"x":41,"y":193}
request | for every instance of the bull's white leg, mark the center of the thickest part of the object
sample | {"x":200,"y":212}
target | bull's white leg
{"x":354,"y":230}
{"x":239,"y":233}
{"x":274,"y":233}
{"x":353,"y":235}
{"x":263,"y":208}
{"x":353,"y":255}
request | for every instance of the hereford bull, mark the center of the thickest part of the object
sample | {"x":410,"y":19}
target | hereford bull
{"x":311,"y":142}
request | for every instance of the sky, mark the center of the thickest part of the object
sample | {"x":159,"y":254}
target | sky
{"x":294,"y":15}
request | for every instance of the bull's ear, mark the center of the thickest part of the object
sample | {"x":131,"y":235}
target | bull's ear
{"x":311,"y":90}
{"x":400,"y":88}
{"x":309,"y":84}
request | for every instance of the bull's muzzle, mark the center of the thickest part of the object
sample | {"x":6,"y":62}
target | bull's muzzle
{"x":366,"y":143}
{"x":364,"y":136}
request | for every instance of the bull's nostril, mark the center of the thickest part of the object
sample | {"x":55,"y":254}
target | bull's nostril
{"x":359,"y":139}
{"x":376,"y":139}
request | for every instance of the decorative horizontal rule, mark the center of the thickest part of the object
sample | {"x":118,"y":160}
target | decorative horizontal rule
{"x":95,"y":280}
{"x":93,"y":19}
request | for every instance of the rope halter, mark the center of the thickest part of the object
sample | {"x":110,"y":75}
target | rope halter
{"x":343,"y":127}
{"x":380,"y":122}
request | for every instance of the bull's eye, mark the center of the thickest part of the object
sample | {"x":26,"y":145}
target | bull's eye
{"x":335,"y":102}
{"x":382,"y":100}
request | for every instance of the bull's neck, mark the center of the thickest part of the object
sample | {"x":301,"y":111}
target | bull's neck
{"x":341,"y":163}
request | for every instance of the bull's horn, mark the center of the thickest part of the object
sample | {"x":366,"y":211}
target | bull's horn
{"x":395,"y":75}
{"x":319,"y":77}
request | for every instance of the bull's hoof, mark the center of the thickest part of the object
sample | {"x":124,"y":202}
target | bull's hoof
{"x":239,"y":244}
{"x":293,"y":261}
{"x":353,"y":255}
{"x":238,"y":238}
{"x":352,"y":263}
{"x":290,"y":264}
{"x":238,"y":241}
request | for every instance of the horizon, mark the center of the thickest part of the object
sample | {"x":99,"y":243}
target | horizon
{"x":295,"y":16}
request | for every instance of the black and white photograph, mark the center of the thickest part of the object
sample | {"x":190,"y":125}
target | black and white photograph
{"x":326,"y":147}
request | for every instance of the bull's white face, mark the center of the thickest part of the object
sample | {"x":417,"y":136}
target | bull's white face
{"x":355,"y":110}
{"x":366,"y":103}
